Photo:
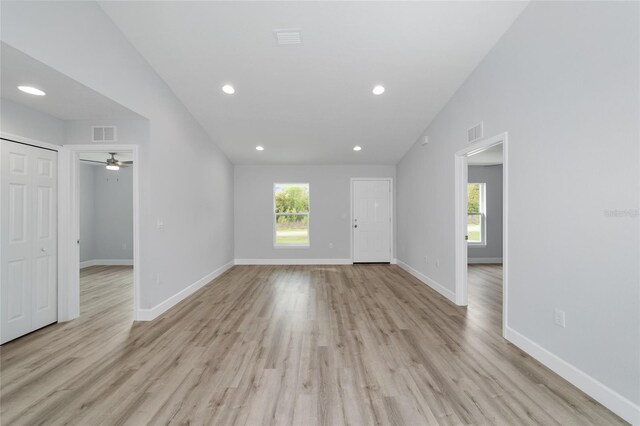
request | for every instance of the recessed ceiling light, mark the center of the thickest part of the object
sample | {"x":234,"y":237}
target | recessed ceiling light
{"x":378,"y":90}
{"x":228,"y":89}
{"x":259,"y":148}
{"x":31,"y":90}
{"x":357,"y":148}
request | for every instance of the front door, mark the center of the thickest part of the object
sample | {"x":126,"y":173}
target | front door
{"x":371,"y":221}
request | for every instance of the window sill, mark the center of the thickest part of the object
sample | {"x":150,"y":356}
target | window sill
{"x":291,"y":246}
{"x":477,"y":244}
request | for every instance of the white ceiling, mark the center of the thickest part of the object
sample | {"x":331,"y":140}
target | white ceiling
{"x":66,"y":99}
{"x":489,"y":157}
{"x":312,"y":103}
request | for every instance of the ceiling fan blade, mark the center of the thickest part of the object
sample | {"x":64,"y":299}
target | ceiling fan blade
{"x":92,"y":161}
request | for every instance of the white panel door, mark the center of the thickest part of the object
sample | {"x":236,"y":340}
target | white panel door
{"x":28,"y":246}
{"x":371,"y":221}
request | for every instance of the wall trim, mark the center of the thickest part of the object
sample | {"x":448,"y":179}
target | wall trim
{"x":106,"y":262}
{"x":592,"y":387}
{"x":428,"y":281}
{"x":11,"y":137}
{"x":153,"y":313}
{"x":471,"y":260}
{"x":293,"y":262}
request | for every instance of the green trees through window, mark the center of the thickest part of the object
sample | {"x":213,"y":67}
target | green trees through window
{"x":475,"y":213}
{"x":473,"y":199}
{"x":291,"y":212}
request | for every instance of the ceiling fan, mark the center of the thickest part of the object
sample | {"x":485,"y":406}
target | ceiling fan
{"x":112,"y":163}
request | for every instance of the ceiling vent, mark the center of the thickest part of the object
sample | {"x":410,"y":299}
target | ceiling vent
{"x":475,"y":132}
{"x":103,"y":133}
{"x":288,"y":36}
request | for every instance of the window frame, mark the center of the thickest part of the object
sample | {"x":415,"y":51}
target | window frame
{"x":482,"y":212}
{"x":277,"y":245}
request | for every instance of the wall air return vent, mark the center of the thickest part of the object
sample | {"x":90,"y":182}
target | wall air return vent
{"x":288,"y":36}
{"x":103,"y":134}
{"x":475,"y":132}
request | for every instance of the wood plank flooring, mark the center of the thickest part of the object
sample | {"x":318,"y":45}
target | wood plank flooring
{"x":280,"y":345}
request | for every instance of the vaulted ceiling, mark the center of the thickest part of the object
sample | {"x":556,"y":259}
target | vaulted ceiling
{"x":311,"y":103}
{"x":66,"y":98}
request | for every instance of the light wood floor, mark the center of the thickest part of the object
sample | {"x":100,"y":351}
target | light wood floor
{"x":300,"y":345}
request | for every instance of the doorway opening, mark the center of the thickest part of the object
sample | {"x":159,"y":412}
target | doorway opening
{"x":481,"y":229}
{"x":104,"y":270}
{"x":106,"y":231}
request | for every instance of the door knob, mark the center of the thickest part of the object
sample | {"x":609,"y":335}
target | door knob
{"x":355,"y":226}
{"x":43,"y":249}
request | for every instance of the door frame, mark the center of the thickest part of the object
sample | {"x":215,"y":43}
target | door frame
{"x":71,"y":229}
{"x":60,"y":204}
{"x":461,"y":180}
{"x":391,"y":210}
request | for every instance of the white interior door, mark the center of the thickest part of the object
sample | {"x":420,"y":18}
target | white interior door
{"x":371,"y":220}
{"x":28,"y":247}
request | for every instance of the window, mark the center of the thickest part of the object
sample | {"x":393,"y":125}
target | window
{"x":476,"y":214}
{"x":291,"y":214}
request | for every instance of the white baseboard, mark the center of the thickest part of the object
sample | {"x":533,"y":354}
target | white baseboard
{"x":428,"y":281}
{"x":472,"y":260}
{"x":160,"y":308}
{"x":592,"y":387}
{"x":106,"y":262}
{"x":293,"y":261}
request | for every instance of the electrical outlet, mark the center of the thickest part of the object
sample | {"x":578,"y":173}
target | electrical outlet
{"x":426,"y":259}
{"x":437,"y":263}
{"x":559,"y":318}
{"x":160,"y":224}
{"x":124,"y":246}
{"x":330,"y":245}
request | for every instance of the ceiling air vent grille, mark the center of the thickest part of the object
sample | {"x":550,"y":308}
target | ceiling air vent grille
{"x":289,"y":36}
{"x":475,"y":132}
{"x":103,"y":133}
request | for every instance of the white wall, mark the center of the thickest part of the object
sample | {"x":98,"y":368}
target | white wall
{"x":114,"y":213}
{"x":491,"y":176}
{"x":87,"y":180}
{"x":106,"y":213}
{"x":329,"y":193}
{"x":23,"y":121}
{"x":185,"y":179}
{"x":564,"y":82}
{"x":129,"y":132}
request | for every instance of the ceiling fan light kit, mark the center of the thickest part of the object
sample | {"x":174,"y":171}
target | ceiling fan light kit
{"x":112,"y":163}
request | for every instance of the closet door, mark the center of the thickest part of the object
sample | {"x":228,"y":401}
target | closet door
{"x":28,"y":246}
